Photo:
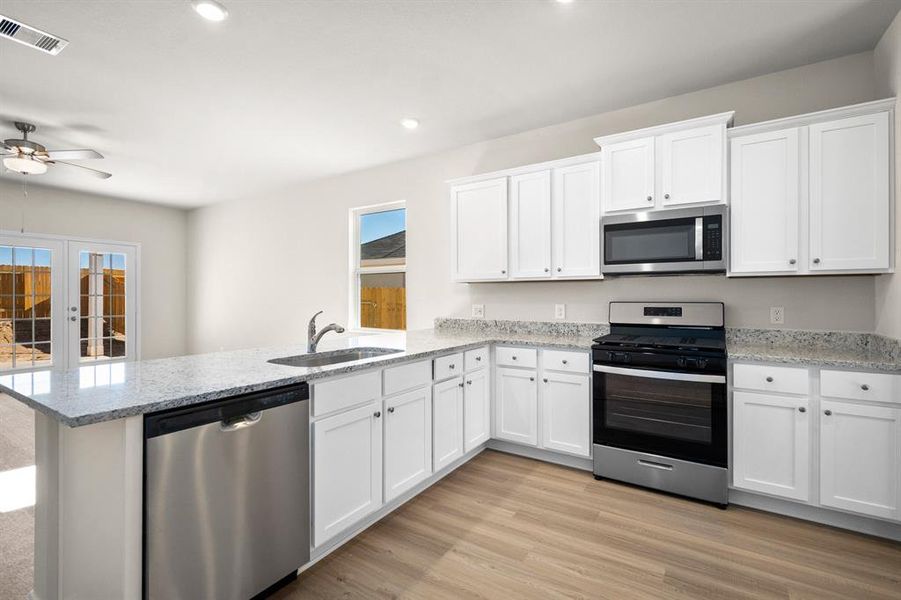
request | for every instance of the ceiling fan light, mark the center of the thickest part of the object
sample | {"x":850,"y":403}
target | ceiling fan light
{"x":210,"y":10}
{"x":24,"y":165}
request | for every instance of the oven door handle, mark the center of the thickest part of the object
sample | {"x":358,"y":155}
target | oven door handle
{"x":660,"y":374}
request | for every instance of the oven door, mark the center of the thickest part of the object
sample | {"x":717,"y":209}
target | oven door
{"x":675,"y":414}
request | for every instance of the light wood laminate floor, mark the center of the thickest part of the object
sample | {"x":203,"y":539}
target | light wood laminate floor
{"x":508,"y":527}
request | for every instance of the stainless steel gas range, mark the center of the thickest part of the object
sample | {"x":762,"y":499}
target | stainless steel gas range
{"x":660,"y":398}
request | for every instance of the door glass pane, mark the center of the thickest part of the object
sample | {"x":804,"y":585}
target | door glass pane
{"x":25,"y":307}
{"x":383,"y":238}
{"x":102,"y":277}
{"x":681,"y":410}
{"x":383,"y":300}
{"x":663,"y":241}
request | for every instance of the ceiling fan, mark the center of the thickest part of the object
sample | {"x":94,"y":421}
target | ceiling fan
{"x":30,"y":158}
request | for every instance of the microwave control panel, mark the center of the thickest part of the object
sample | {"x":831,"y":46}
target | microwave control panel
{"x":713,"y":237}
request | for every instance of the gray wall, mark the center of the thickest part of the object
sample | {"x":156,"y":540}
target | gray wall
{"x":161,"y":231}
{"x":259,"y":268}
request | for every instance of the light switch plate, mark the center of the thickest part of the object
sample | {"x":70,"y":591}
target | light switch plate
{"x":559,"y":311}
{"x":478,"y":311}
{"x":777,"y":315}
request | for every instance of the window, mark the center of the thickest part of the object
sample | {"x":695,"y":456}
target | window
{"x":25,"y":310}
{"x":378,"y":270}
{"x":102,"y":289}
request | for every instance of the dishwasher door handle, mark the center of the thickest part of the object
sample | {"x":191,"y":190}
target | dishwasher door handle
{"x":241,"y":422}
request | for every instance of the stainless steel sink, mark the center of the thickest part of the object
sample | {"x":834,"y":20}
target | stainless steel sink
{"x":320,"y":359}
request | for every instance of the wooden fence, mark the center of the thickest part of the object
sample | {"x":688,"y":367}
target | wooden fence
{"x":383,"y":307}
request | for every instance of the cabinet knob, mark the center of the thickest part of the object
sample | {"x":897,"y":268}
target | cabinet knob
{"x":469,"y":382}
{"x":792,"y":261}
{"x":666,"y":196}
{"x":478,"y":359}
{"x":816,"y":261}
{"x":531,"y":379}
{"x":547,"y":270}
{"x":451,"y":366}
{"x":864,"y":387}
{"x":460,"y":384}
{"x":565,"y":361}
{"x":377,"y":414}
{"x":802,"y":409}
{"x":390,"y":409}
{"x":650,"y":198}
{"x":559,"y":269}
{"x":769,"y":380}
{"x":73,"y":318}
{"x":545,"y":380}
{"x":513,"y":357}
{"x":828,"y":413}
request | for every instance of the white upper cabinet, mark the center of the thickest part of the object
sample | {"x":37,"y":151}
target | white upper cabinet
{"x":479,"y":217}
{"x":576,"y":221}
{"x":849,"y":194}
{"x":530,"y":225}
{"x":765,"y":208}
{"x":628,"y":175}
{"x":690,"y":165}
{"x":665,"y":166}
{"x":811,"y":194}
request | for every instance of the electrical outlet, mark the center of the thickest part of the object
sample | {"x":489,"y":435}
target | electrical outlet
{"x":478,"y":311}
{"x":777,"y":315}
{"x":559,"y":311}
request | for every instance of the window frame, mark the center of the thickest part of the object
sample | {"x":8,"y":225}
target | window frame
{"x":356,"y":271}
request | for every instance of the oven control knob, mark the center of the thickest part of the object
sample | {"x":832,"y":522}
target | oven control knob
{"x":702,"y":363}
{"x":681,"y":361}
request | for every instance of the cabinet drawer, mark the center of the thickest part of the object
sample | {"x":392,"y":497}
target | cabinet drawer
{"x":517,"y":357}
{"x":407,"y":377}
{"x":476,"y":359}
{"x":567,"y":362}
{"x":878,"y":387}
{"x":448,"y":366}
{"x":785,"y":380}
{"x":335,"y":395}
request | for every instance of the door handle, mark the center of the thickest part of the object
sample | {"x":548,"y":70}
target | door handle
{"x":241,"y":422}
{"x":655,"y":465}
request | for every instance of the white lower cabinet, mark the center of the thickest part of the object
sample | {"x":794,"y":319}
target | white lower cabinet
{"x":476,"y":410}
{"x":408,"y":441}
{"x":566,"y":413}
{"x":860,"y":458}
{"x":447,"y":419}
{"x":347,"y":470}
{"x":516,"y":416}
{"x":771,"y":444}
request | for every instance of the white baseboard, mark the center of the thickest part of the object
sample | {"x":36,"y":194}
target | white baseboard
{"x":576,"y":462}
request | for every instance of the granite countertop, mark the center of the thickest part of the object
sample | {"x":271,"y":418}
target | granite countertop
{"x":840,"y":358}
{"x":104,"y":392}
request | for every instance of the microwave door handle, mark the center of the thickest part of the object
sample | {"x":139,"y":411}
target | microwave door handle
{"x":660,"y":374}
{"x":699,"y":238}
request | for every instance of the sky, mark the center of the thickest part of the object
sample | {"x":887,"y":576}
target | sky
{"x":377,"y":225}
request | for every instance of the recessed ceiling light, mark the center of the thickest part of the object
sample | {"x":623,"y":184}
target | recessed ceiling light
{"x":565,"y":1}
{"x":409,"y":123}
{"x":210,"y":10}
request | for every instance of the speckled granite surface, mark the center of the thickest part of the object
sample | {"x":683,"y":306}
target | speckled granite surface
{"x":553,"y":328}
{"x":93,"y":394}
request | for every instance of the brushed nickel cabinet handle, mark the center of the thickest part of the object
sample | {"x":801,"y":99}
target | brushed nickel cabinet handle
{"x":828,"y":413}
{"x":802,"y":409}
{"x":377,"y":414}
{"x":769,"y":380}
{"x":390,"y":409}
{"x":865,"y":387}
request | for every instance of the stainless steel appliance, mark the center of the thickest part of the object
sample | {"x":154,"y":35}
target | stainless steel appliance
{"x":226,"y":496}
{"x":660,"y":398}
{"x":689,"y":240}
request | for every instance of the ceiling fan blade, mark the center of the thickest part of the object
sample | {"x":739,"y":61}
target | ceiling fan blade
{"x":94,"y":172}
{"x":72,"y":154}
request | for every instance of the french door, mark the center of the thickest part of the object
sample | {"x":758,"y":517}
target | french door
{"x":65,"y":303}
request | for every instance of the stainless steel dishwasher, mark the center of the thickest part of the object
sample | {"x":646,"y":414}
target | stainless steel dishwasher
{"x":226,"y":496}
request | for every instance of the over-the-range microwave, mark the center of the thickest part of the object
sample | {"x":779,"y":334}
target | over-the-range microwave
{"x":686,"y":240}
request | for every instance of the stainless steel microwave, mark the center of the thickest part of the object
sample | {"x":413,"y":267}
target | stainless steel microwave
{"x":686,"y":240}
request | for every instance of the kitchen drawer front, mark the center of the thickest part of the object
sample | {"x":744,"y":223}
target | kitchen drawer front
{"x":335,"y":395}
{"x":476,"y":359}
{"x":878,"y":387}
{"x":566,"y":362}
{"x":448,"y":366}
{"x":406,"y":377}
{"x":516,"y":357}
{"x":784,"y":380}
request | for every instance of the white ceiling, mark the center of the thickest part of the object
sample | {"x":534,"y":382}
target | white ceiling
{"x":190,"y":113}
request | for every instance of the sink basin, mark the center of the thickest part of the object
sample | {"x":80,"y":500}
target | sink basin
{"x":320,"y":359}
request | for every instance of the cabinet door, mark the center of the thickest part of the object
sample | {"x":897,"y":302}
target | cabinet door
{"x":479,"y":217}
{"x":577,"y":213}
{"x":860,"y":458}
{"x":849,"y":194}
{"x":530,"y":225}
{"x":691,"y":164}
{"x":566,"y":413}
{"x":517,"y":406}
{"x":447,"y":416}
{"x":347,"y":470}
{"x":771,"y":444}
{"x":408,"y":441}
{"x":628,"y":175}
{"x":765,"y":194}
{"x":476,"y":410}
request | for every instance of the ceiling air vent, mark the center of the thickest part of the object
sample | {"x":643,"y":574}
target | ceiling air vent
{"x":22,"y":33}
